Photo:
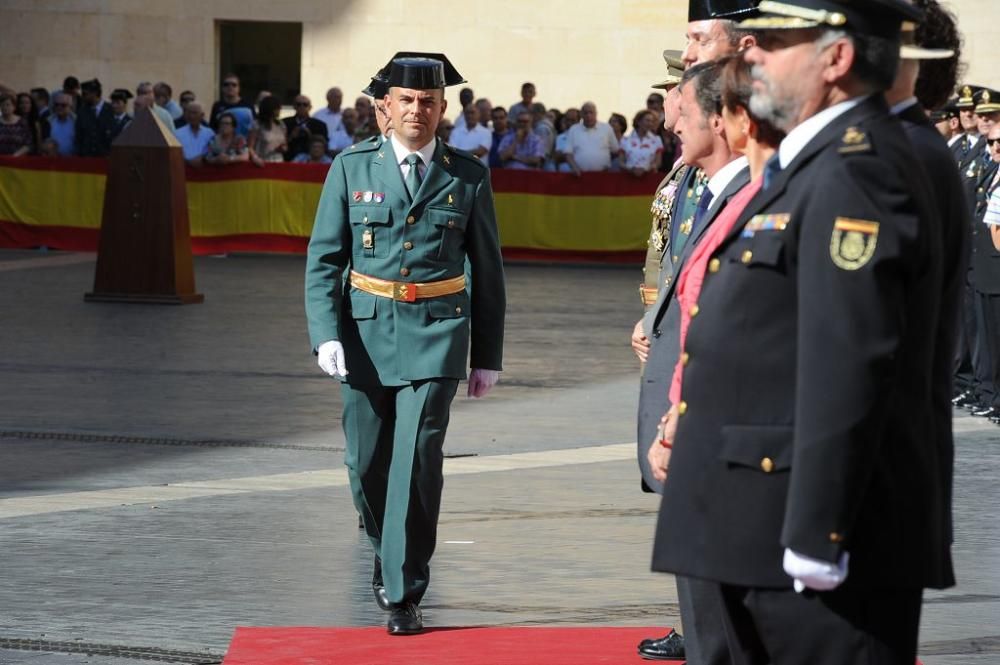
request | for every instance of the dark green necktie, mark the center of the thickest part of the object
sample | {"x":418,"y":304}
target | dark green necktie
{"x":413,"y":177}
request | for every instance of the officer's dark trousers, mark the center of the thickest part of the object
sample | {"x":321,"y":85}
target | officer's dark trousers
{"x":991,"y":308}
{"x":394,"y":461}
{"x":965,"y":378}
{"x":846,"y":626}
{"x":982,"y":357}
{"x":704,"y":626}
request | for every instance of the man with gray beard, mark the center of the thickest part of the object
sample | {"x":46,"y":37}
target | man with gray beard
{"x":808,"y":480}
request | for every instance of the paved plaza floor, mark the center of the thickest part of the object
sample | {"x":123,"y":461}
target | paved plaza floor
{"x":169,"y":473}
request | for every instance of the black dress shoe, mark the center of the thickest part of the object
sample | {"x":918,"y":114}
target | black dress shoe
{"x":965,"y":398}
{"x":405,"y":619}
{"x":378,"y":587}
{"x":669,"y":647}
{"x":984,"y":411}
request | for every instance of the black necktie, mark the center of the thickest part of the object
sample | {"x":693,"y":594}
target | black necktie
{"x":413,"y":177}
{"x":703,"y":205}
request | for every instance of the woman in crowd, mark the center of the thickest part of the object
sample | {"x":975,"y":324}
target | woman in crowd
{"x":16,"y":136}
{"x":758,"y":140}
{"x":25,"y":107}
{"x":620,"y":125}
{"x":568,"y":119}
{"x":642,"y":150}
{"x":227,"y":147}
{"x":268,"y":137}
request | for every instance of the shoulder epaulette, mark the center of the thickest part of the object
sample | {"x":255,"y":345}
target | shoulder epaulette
{"x":854,"y":141}
{"x":468,"y":156}
{"x":367,"y":145}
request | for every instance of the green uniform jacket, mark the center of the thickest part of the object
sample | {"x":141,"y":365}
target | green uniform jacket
{"x":367,"y":222}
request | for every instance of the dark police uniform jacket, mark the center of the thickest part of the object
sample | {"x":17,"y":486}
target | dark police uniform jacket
{"x":367,"y":222}
{"x":93,"y":131}
{"x":950,"y":207}
{"x":809,"y":420}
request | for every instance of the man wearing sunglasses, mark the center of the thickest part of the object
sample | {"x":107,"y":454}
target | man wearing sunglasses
{"x":301,"y":128}
{"x":230,"y":100}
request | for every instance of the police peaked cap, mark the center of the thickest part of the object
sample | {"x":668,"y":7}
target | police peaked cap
{"x":987,"y":101}
{"x":734,"y":10}
{"x":878,"y":18}
{"x":93,"y":85}
{"x":949,"y":110}
{"x":420,"y":71}
{"x":675,"y":69}
{"x":967,"y":96}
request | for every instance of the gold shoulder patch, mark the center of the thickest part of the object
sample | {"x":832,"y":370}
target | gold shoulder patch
{"x":853,"y":242}
{"x":854,"y":140}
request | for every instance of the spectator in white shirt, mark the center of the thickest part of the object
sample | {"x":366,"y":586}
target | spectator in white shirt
{"x":469,"y":135}
{"x":590,"y":144}
{"x":194,"y":137}
{"x":344,"y":137}
{"x":331,"y":114}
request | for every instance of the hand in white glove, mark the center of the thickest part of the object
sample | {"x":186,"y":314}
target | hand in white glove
{"x":330,"y":356}
{"x":814,"y":574}
{"x":481,"y":380}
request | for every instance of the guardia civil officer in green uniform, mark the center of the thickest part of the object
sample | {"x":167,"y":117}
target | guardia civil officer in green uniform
{"x":808,"y":480}
{"x":390,"y":316}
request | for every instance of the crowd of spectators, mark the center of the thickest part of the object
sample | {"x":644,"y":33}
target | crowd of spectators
{"x":76,"y":120}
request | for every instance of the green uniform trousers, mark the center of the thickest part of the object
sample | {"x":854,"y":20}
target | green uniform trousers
{"x":395,"y":437}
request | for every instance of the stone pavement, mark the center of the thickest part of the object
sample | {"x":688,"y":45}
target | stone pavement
{"x":169,"y":473}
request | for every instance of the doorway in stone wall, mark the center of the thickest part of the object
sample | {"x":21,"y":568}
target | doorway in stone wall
{"x":266,"y":55}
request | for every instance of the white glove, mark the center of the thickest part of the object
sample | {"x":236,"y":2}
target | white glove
{"x":814,"y":574}
{"x":481,"y":380}
{"x":330,"y":356}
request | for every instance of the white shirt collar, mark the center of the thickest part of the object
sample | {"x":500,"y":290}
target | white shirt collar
{"x":955,"y":139}
{"x":800,"y":137}
{"x":426,"y":153}
{"x":899,"y":107}
{"x":718,"y":183}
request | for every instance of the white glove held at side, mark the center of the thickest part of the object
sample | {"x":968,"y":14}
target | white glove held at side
{"x":330,"y":356}
{"x":814,"y":574}
{"x":481,"y":380}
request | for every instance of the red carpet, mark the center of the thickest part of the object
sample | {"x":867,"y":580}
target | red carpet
{"x":438,"y":646}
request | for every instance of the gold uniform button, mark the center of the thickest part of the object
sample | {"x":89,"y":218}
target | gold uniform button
{"x":458,"y":310}
{"x":405,"y":272}
{"x":836,"y":537}
{"x":714,"y":265}
{"x":451,"y":223}
{"x":675,"y":258}
{"x":407,"y":245}
{"x":682,"y":408}
{"x":411,"y":219}
{"x":767,"y":465}
{"x":685,"y":357}
{"x":667,"y":281}
{"x":694,"y":310}
{"x":747,"y":256}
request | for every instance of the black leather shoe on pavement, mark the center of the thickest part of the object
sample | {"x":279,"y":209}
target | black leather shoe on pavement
{"x":984,"y":411}
{"x":378,"y":587}
{"x":669,"y":647}
{"x":405,"y":619}
{"x":964,"y":398}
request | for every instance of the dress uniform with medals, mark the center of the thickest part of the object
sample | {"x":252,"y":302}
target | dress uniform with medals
{"x":663,"y":202}
{"x":808,"y":428}
{"x":386,"y":285}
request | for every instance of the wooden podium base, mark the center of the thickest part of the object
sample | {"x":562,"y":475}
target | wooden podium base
{"x":145,"y":298}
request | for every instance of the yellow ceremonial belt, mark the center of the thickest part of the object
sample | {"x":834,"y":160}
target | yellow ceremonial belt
{"x":407,"y":291}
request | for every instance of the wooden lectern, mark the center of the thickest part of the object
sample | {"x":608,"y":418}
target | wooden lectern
{"x":144,"y":254}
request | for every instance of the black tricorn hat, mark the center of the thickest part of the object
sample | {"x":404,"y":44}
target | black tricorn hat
{"x":377,"y":87}
{"x":93,"y":85}
{"x":122,"y":94}
{"x":419,"y":69}
{"x":734,"y":10}
{"x":880,"y":18}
